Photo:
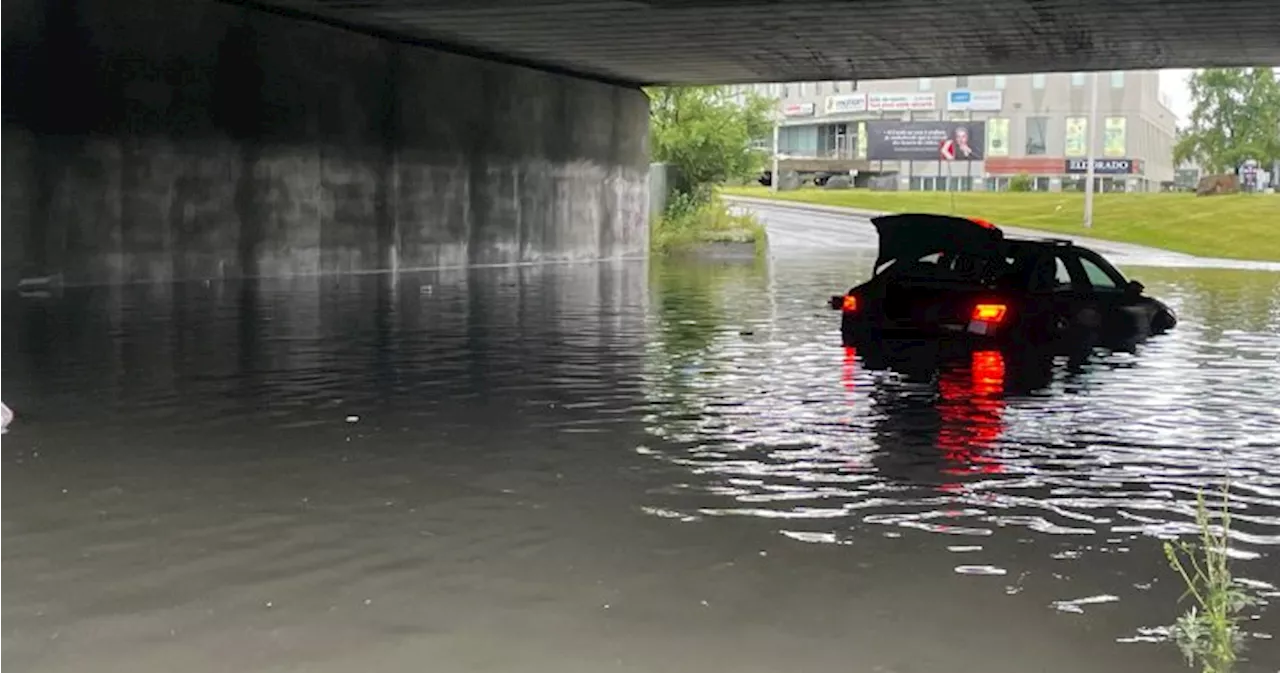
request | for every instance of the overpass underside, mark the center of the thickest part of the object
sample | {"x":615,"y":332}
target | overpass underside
{"x":156,"y":140}
{"x":148,"y":140}
{"x":738,"y":41}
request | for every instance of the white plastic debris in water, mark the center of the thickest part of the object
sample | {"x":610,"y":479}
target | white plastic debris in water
{"x":6,"y":415}
{"x":353,"y":419}
{"x":980,"y":570}
{"x":1077,"y":606}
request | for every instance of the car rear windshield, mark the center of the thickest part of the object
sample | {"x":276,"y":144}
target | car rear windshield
{"x":945,"y":267}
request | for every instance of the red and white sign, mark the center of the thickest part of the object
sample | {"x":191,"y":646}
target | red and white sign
{"x":947,"y":150}
{"x":798,"y":110}
{"x":898,"y":102}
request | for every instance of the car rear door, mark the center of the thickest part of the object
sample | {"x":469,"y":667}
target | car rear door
{"x":1060,"y":302}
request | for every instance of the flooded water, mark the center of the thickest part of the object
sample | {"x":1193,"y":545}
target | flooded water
{"x":666,"y":467}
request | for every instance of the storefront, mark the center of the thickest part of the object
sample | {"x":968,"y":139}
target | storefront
{"x":1053,"y":174}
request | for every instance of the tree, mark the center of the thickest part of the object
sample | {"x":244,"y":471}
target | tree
{"x":1236,"y":116}
{"x":706,"y":133}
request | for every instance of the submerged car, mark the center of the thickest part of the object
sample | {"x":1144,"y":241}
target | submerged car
{"x":946,"y":276}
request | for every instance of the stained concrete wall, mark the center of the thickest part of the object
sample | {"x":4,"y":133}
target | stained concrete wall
{"x":172,"y":139}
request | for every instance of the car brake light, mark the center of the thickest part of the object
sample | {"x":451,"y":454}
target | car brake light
{"x":850,"y":304}
{"x":990,"y":312}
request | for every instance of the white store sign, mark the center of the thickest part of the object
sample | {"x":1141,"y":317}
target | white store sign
{"x":850,"y":102}
{"x":891,"y":102}
{"x":977,"y":101}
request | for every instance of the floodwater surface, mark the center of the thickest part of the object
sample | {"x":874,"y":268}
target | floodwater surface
{"x":662,"y":467}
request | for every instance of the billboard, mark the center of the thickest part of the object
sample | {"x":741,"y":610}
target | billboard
{"x":998,"y":137}
{"x":919,"y":141}
{"x":844,"y":103}
{"x":1077,"y":130}
{"x":899,"y":102}
{"x":1113,"y":137}
{"x":977,"y":101}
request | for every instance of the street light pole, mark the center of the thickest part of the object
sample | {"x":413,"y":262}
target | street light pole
{"x":773,"y":181}
{"x":1090,"y":132}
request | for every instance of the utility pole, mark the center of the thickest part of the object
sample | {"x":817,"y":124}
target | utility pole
{"x":775,"y":178}
{"x":1090,"y":131}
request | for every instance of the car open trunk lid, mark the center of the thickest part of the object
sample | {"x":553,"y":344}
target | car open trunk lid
{"x":910,"y":236}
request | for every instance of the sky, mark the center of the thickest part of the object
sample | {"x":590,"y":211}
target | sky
{"x":1173,"y":83}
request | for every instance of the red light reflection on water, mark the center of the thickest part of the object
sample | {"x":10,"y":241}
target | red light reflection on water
{"x":849,"y":368}
{"x":971,"y":406}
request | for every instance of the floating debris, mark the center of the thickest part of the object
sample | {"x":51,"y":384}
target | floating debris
{"x":1147,"y":634}
{"x":981,"y":570}
{"x":1076,"y":606}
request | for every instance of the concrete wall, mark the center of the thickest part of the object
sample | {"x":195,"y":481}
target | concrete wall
{"x":659,"y":189}
{"x":163,"y":139}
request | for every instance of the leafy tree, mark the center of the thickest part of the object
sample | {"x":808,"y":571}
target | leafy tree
{"x":706,"y":133}
{"x":1236,"y":117}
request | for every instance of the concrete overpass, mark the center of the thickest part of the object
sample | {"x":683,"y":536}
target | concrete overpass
{"x":162,"y":139}
{"x":732,"y":41}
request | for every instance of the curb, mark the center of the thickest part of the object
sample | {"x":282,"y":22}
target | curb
{"x":801,"y":205}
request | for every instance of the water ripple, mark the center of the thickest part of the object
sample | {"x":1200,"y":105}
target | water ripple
{"x":786,"y":425}
{"x":530,"y":441}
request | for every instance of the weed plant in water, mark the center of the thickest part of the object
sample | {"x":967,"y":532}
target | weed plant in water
{"x":1209,"y":633}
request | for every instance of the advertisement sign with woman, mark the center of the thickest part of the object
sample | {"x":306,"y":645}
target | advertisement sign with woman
{"x":919,"y":141}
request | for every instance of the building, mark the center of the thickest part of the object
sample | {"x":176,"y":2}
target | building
{"x":891,"y":131}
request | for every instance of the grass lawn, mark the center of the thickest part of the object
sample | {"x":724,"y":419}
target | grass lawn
{"x":1241,"y":226}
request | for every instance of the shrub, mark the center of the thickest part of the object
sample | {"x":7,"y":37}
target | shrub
{"x":692,"y":219}
{"x":1020,"y":183}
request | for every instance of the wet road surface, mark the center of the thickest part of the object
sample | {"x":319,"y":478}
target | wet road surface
{"x":800,"y":228}
{"x":671,"y":467}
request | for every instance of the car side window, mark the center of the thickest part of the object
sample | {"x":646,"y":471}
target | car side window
{"x":1061,"y":276}
{"x":1050,"y":274}
{"x":1098,"y":278}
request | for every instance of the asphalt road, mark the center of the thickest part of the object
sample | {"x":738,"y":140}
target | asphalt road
{"x":805,"y":228}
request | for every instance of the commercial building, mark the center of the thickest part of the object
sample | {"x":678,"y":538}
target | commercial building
{"x":890,"y":132}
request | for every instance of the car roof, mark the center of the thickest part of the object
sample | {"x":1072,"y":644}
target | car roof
{"x":1046,"y":242}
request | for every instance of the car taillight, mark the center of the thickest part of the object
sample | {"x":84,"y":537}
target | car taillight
{"x":990,"y":312}
{"x":850,"y":304}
